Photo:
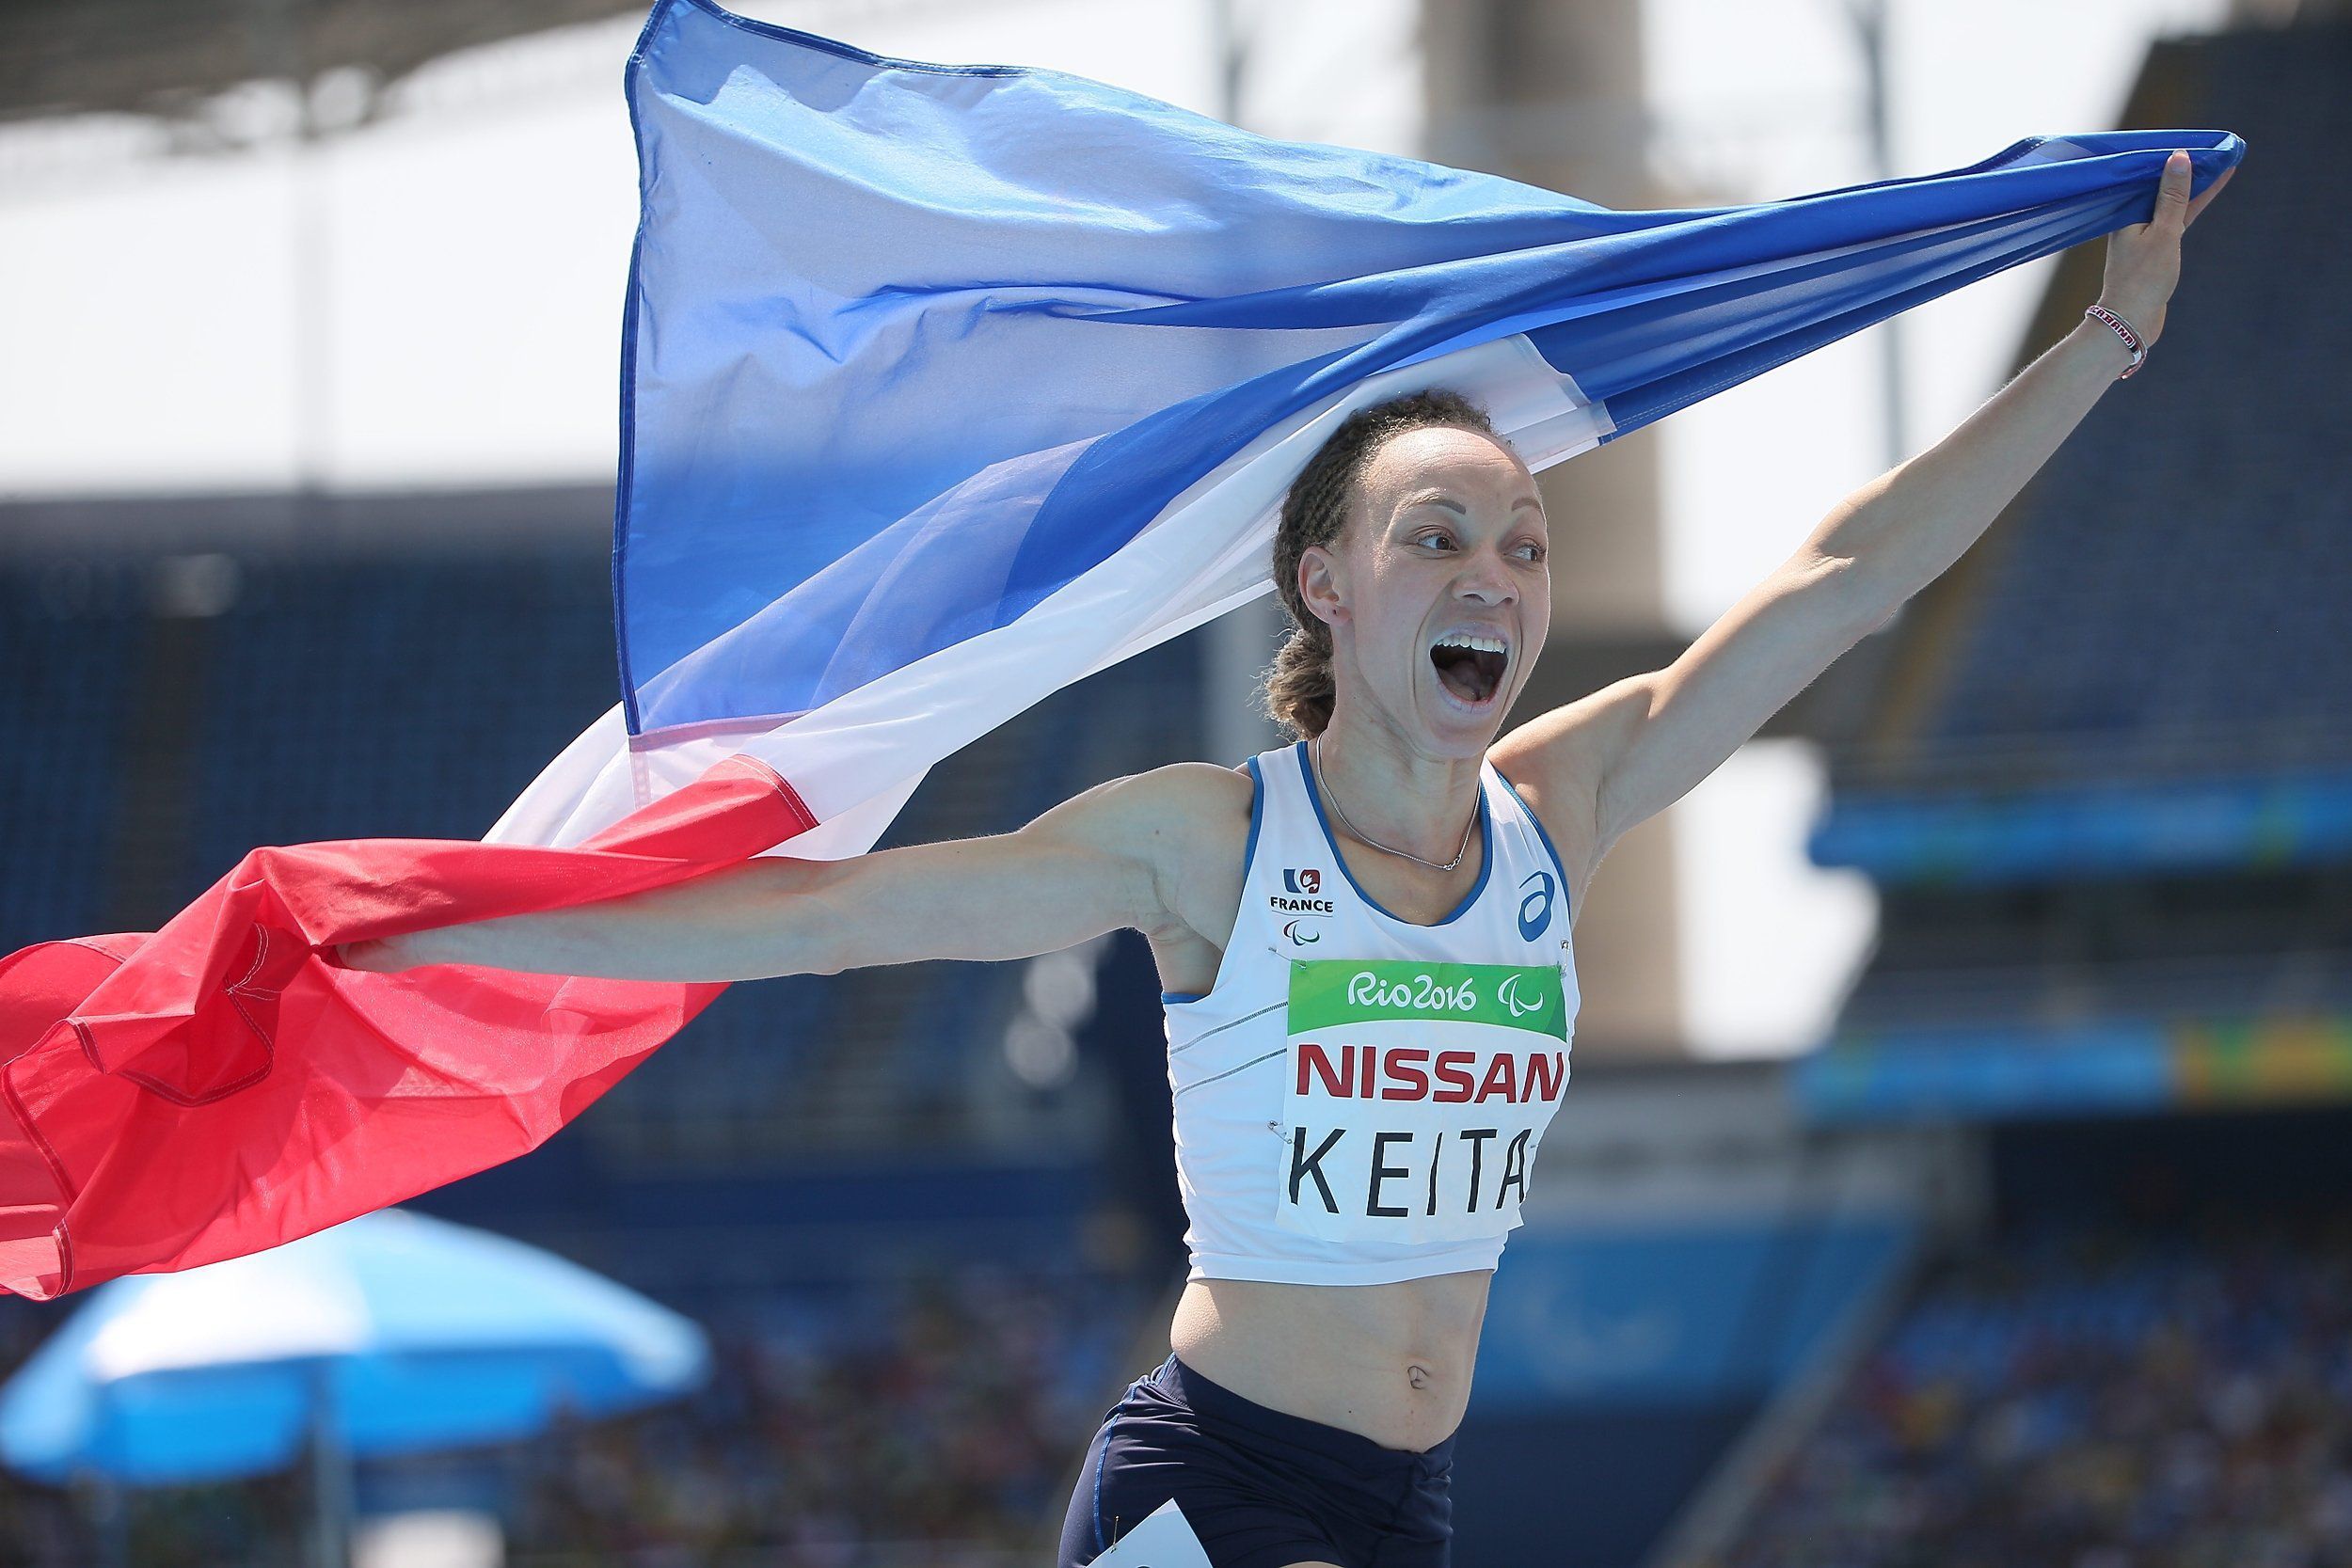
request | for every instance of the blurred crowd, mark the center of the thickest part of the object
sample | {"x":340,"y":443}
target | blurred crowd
{"x":2087,"y":1398}
{"x":2069,"y":1397}
{"x":932,"y":1423}
{"x":950,"y":1438}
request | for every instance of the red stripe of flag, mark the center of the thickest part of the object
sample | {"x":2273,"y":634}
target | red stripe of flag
{"x":219,"y":1087}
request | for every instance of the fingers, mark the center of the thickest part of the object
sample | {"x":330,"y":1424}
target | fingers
{"x":2172,"y":190}
{"x":2211,"y":191}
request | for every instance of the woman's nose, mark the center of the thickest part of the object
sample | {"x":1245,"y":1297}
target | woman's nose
{"x":1485,"y":578}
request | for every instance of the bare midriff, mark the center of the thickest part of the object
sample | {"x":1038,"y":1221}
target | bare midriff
{"x":1391,"y":1362}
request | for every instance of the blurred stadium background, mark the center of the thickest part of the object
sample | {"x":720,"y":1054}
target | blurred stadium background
{"x":1957,"y":1165}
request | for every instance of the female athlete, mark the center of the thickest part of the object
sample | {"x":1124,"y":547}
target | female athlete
{"x":1363,"y":938}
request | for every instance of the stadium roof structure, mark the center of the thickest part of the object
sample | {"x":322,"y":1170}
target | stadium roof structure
{"x":2140,"y":666}
{"x":164,"y":57}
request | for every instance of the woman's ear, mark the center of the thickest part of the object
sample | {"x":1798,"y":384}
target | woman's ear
{"x":1318,"y":585}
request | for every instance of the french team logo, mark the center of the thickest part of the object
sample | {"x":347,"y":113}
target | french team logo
{"x":1535,"y":907}
{"x":1302,"y":895}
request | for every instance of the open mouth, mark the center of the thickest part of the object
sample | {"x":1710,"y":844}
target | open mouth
{"x":1469,"y":672}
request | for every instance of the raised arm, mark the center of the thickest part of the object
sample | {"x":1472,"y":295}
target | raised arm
{"x":1630,"y":750}
{"x":1095,"y":862}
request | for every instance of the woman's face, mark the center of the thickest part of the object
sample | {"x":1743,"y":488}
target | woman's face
{"x":1445,"y":548}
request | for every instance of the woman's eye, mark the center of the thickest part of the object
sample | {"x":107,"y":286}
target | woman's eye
{"x":1430,"y":539}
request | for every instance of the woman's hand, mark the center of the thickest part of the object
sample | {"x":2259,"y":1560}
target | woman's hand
{"x":378,"y":955}
{"x":2144,"y":259}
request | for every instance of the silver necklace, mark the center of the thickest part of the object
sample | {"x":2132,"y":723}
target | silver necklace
{"x":1375,"y":843}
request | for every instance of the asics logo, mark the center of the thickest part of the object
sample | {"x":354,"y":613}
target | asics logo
{"x":1535,"y":907}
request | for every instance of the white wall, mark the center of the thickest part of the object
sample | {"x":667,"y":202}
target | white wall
{"x":475,"y":250}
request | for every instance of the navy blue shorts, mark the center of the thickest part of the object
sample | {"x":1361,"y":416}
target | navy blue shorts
{"x":1260,"y":1488}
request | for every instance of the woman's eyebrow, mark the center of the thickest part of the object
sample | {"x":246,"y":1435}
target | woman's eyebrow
{"x":1438,"y":497}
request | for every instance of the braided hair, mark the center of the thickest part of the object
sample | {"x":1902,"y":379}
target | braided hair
{"x":1300,"y":684}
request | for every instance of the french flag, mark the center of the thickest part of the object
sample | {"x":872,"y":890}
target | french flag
{"x":942,"y":386}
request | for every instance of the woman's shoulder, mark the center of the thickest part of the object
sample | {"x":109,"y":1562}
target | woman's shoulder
{"x":1207,"y":807}
{"x":1198,"y":823}
{"x":1173,"y":809}
{"x":1203,"y":800}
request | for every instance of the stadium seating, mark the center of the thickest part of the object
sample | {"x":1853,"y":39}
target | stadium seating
{"x":70,"y":641}
{"x":2105,"y":789}
{"x":2104,"y":783}
{"x":2093,"y":1396}
{"x":2166,"y":600}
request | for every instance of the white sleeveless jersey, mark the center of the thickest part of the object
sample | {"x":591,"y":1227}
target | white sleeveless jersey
{"x":1358,"y":1099}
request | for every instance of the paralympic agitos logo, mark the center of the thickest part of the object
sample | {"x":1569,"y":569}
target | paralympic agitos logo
{"x":1509,"y":996}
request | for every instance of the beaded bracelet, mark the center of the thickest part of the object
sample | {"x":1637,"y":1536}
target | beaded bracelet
{"x":2131,"y":338}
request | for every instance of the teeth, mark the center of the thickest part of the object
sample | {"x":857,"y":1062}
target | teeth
{"x":1461,"y":640}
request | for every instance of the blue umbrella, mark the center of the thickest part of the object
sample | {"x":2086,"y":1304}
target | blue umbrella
{"x":389,"y":1334}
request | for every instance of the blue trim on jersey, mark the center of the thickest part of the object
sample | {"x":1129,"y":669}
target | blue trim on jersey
{"x":1565,"y":912}
{"x":1486,"y":861}
{"x":1248,"y":854}
{"x":1257,"y":816}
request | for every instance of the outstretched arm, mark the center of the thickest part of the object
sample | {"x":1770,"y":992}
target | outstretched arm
{"x":1632,"y":748}
{"x":1091,"y":864}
